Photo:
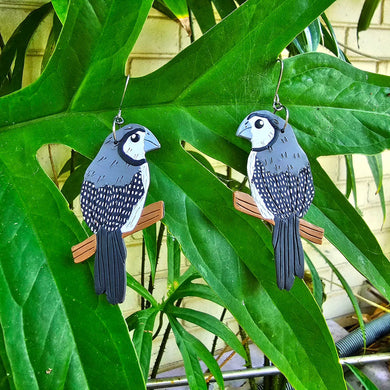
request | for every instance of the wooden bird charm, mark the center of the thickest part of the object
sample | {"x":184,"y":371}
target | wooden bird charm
{"x":281,"y":184}
{"x":112,"y":199}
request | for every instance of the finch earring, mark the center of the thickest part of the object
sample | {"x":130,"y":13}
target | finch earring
{"x":281,"y":185}
{"x":112,"y":198}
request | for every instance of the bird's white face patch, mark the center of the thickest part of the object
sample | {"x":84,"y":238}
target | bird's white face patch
{"x":262,"y":131}
{"x":134,"y":146}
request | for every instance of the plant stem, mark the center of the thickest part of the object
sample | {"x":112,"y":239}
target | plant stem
{"x":55,"y":177}
{"x":214,"y":346}
{"x":248,"y":364}
{"x":71,"y":170}
{"x":160,"y":352}
{"x":159,"y":244}
{"x":192,"y":36}
{"x":267,"y":379}
{"x":143,"y":272}
{"x":162,"y":347}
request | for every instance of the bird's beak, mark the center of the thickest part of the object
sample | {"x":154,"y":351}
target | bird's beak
{"x":244,"y":130}
{"x":151,"y":142}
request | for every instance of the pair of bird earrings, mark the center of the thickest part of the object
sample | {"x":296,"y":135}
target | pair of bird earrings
{"x":115,"y":186}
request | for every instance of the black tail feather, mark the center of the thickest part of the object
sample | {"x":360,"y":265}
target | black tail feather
{"x":289,"y":260}
{"x":110,"y":265}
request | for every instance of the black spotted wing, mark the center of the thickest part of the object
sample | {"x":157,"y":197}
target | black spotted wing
{"x":110,"y":206}
{"x":284,"y":193}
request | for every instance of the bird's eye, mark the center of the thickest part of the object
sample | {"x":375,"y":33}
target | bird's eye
{"x":135,"y":137}
{"x":259,"y":124}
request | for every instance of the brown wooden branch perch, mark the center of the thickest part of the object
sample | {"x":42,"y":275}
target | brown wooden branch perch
{"x":244,"y":202}
{"x":150,"y":215}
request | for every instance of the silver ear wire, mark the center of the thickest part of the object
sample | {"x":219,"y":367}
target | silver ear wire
{"x":118,"y":120}
{"x":277,"y":106}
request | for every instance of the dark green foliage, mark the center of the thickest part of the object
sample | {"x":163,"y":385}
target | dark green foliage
{"x":50,"y":301}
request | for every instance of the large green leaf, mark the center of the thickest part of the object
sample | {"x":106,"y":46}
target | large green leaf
{"x":57,"y":333}
{"x":347,"y":231}
{"x":60,"y":7}
{"x":215,"y":86}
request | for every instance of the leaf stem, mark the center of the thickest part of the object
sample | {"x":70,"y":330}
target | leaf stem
{"x":143,"y":256}
{"x":55,"y":177}
{"x":248,"y":363}
{"x":159,"y":244}
{"x":214,"y":346}
{"x":163,"y":344}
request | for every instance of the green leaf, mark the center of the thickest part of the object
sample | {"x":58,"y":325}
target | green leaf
{"x":376,"y":167}
{"x":14,"y":51}
{"x":142,"y":322}
{"x":191,"y":350}
{"x":204,"y":14}
{"x":224,"y":7}
{"x":5,"y":369}
{"x":60,"y":325}
{"x":141,"y":290}
{"x":351,"y":180}
{"x":195,"y":290}
{"x":363,"y":379}
{"x":347,"y":231}
{"x":61,"y":8}
{"x":72,"y":185}
{"x":330,"y":39}
{"x":210,"y":323}
{"x":203,"y":160}
{"x":51,"y":40}
{"x":309,"y":39}
{"x":348,"y":290}
{"x":178,"y":7}
{"x":74,"y":162}
{"x":318,"y":290}
{"x":150,"y":237}
{"x":173,"y":259}
{"x":216,"y":86}
{"x":368,"y":10}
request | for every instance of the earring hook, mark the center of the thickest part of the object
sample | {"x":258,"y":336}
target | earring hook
{"x":277,"y":106}
{"x":118,"y":120}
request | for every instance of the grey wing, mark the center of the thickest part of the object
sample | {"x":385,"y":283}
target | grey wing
{"x":284,"y":193}
{"x":110,"y":206}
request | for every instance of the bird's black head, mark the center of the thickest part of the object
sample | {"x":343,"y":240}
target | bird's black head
{"x":133,"y":141}
{"x":262,"y":128}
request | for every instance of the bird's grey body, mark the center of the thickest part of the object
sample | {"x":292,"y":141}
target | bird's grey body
{"x":281,"y":185}
{"x":112,"y":198}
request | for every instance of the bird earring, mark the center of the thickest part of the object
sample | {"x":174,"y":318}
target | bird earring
{"x":281,"y":185}
{"x":112,"y":199}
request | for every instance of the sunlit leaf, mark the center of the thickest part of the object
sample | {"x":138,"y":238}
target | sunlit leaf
{"x":224,"y":75}
{"x":12,"y":57}
{"x":210,"y":323}
{"x":363,"y":379}
{"x":368,"y":10}
{"x":318,"y":290}
{"x":142,"y":323}
{"x":192,"y":350}
{"x":376,"y":167}
{"x":61,"y":7}
{"x":348,"y":290}
{"x":173,"y":260}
